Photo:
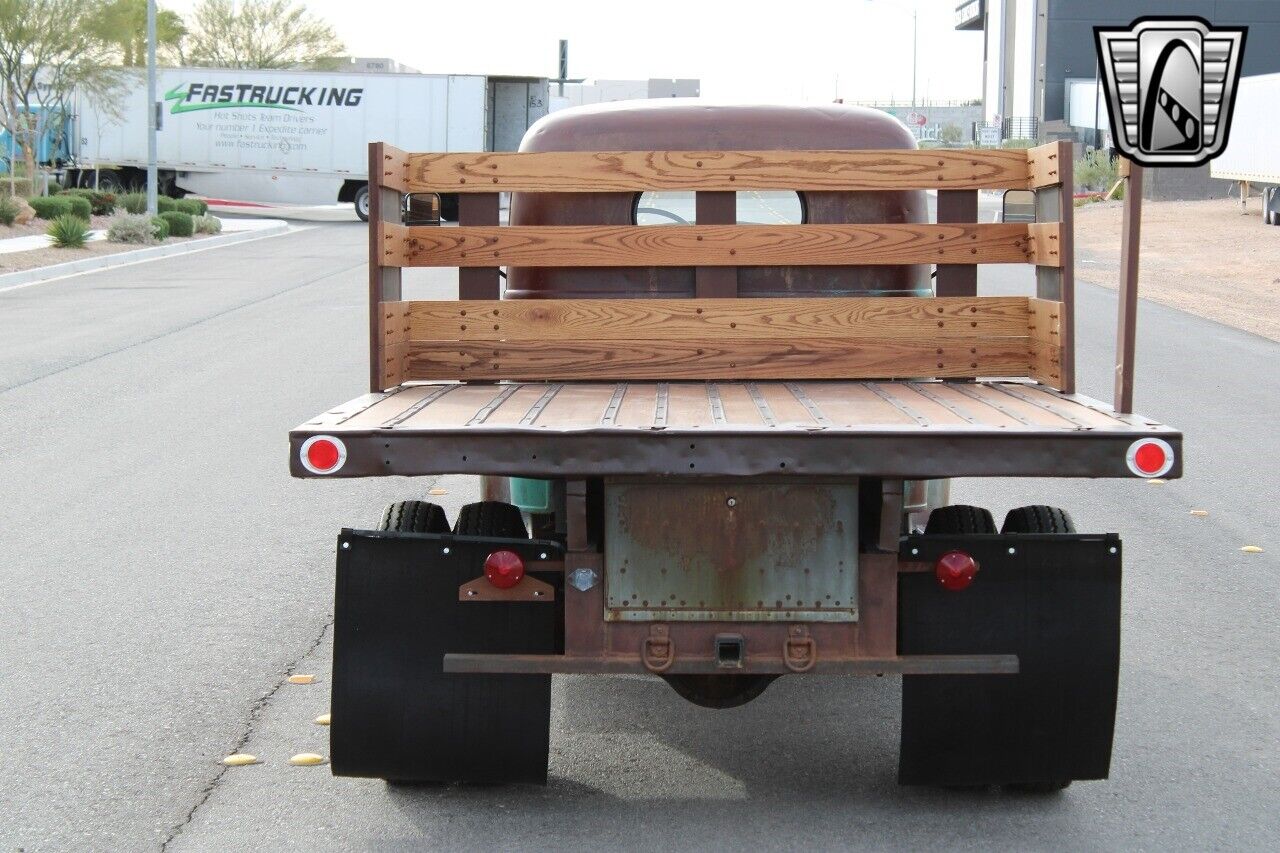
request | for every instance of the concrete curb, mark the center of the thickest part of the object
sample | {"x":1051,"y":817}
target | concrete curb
{"x":33,"y":276}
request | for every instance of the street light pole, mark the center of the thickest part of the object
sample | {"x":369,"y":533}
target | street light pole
{"x":915,"y":50}
{"x":152,"y":108}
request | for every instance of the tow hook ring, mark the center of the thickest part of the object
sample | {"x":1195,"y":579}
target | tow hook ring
{"x":799,"y":651}
{"x":658,"y":651}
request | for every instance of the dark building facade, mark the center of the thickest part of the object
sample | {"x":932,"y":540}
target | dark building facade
{"x":1037,"y":52}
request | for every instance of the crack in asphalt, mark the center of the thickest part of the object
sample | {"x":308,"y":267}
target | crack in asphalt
{"x":255,"y":714}
{"x":182,"y":328}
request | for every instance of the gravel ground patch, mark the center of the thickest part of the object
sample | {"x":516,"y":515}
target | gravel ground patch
{"x":1203,"y":257}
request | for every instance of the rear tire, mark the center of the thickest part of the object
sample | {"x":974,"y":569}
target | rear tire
{"x":1038,"y":518}
{"x":960,"y":519}
{"x":414,"y":517}
{"x":491,"y":518}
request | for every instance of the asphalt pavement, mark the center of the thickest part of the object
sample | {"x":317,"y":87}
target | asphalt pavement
{"x":162,"y":575}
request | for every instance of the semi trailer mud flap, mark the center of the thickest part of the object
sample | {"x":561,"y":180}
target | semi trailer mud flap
{"x":396,"y":714}
{"x":1054,"y":601}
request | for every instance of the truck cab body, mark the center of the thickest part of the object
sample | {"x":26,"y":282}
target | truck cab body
{"x":736,"y":421}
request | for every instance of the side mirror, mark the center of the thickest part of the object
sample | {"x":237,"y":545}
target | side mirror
{"x":1018,"y":206}
{"x":421,"y":209}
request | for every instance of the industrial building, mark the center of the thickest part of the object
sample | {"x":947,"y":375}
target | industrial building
{"x":1040,"y":64}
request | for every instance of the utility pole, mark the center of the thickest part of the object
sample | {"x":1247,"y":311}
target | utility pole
{"x":153,"y":109}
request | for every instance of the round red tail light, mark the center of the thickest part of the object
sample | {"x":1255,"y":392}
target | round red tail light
{"x":1150,"y":457}
{"x":504,"y":569}
{"x":955,"y":570}
{"x":323,"y":454}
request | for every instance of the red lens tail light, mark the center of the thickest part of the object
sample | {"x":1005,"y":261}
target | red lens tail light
{"x":1150,"y":457}
{"x":323,"y":454}
{"x":504,"y":569}
{"x":955,"y":570}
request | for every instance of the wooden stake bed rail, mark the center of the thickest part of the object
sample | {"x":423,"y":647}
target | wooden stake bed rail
{"x":720,"y":245}
{"x":914,"y":429}
{"x":835,"y":338}
{"x":636,"y":171}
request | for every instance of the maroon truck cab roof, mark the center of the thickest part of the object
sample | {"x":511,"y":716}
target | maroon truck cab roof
{"x":694,"y":125}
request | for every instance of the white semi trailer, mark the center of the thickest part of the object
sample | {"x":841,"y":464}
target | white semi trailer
{"x":1252,"y":155}
{"x":295,"y":137}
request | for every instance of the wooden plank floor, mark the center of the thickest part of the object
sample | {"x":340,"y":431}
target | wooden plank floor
{"x":835,"y":406}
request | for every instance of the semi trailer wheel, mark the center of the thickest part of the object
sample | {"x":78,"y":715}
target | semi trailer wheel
{"x":361,"y":202}
{"x":396,"y":714}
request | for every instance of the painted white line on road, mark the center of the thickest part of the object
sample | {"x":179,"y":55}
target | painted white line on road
{"x":292,"y":229}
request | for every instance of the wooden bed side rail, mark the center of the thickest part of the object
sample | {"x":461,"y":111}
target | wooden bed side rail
{"x":655,"y":339}
{"x":724,"y":171}
{"x":720,"y":245}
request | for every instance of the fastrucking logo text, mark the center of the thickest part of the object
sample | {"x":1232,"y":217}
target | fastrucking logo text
{"x":190,"y":97}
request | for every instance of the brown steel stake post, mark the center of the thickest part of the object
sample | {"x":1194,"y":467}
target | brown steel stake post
{"x":1127,"y":321}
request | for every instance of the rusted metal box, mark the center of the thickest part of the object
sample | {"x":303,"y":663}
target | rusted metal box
{"x":725,"y":551}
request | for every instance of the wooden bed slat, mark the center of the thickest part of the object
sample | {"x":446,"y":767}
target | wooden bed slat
{"x":721,"y":319}
{"x":637,"y":171}
{"x":710,"y":245}
{"x":619,"y":360}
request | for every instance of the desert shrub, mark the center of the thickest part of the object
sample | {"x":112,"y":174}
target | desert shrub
{"x":159,"y":228}
{"x":131,"y":228}
{"x":180,"y":224}
{"x":207,"y":224}
{"x":164,"y":204}
{"x":1019,"y":143}
{"x":135,"y":203}
{"x":49,"y":207}
{"x":8,"y":210}
{"x":77,"y":205}
{"x":52,"y":188}
{"x":11,"y":186}
{"x":194,"y":206}
{"x":69,"y":231}
{"x":1095,"y":171}
{"x":103,"y":203}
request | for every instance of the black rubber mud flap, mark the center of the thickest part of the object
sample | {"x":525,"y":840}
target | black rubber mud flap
{"x":1055,"y":602}
{"x":396,"y":714}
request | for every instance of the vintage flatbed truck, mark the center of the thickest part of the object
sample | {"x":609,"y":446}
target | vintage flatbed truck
{"x":744,"y":427}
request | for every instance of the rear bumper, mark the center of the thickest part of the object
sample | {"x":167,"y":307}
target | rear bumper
{"x":908,"y":454}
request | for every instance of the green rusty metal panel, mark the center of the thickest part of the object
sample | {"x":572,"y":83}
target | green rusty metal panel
{"x":724,"y":551}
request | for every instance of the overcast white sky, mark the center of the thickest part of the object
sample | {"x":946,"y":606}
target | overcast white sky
{"x":746,"y":50}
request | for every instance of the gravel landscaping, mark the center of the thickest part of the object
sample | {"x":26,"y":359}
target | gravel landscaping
{"x":1203,"y":257}
{"x":15,"y":261}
